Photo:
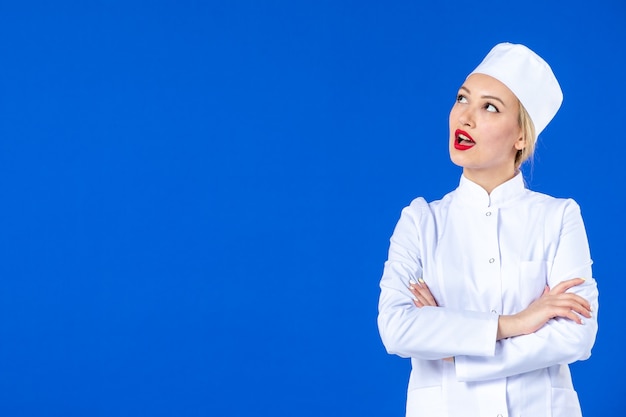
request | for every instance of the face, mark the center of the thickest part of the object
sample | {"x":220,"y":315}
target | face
{"x":484,"y":128}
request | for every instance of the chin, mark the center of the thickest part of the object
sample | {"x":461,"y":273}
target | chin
{"x":457,"y":159}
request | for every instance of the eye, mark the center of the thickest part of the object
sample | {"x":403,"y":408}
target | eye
{"x":491,"y":108}
{"x":461,"y":99}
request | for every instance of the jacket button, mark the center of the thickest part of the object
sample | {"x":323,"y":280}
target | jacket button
{"x":488,"y":214}
{"x":491,"y":260}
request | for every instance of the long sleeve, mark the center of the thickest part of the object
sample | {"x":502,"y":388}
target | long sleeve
{"x":428,"y":332}
{"x":560,"y":341}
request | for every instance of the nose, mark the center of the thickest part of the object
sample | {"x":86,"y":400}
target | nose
{"x":466,"y":117}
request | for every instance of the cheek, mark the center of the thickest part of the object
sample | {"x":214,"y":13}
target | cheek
{"x":453,"y":120}
{"x":453,"y":115}
{"x":514,"y":133}
{"x":507,"y":134}
{"x":513,"y":127}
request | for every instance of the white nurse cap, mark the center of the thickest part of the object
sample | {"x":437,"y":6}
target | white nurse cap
{"x":529,"y":77}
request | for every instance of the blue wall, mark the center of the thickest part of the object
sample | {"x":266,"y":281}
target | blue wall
{"x":196,"y":197}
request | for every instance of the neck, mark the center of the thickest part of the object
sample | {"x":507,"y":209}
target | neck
{"x":488,"y":179}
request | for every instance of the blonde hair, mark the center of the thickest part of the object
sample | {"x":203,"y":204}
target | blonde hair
{"x":528,"y":133}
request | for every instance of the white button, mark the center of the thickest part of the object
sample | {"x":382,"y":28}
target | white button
{"x":491,"y":260}
{"x":488,"y":214}
{"x":499,"y":415}
{"x":494,"y":311}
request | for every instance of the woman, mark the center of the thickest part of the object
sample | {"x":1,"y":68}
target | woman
{"x":489,"y":290}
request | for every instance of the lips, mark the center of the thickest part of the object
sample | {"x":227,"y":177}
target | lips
{"x":462,"y":140}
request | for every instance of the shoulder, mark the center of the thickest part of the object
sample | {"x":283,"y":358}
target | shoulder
{"x":536,"y":197}
{"x":420,"y":215}
{"x":419,"y":205}
{"x":416,"y":224}
{"x":420,"y":208}
{"x":554,"y":207}
{"x":414,"y":212}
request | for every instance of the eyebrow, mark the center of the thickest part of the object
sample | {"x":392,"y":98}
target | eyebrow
{"x":487,"y":97}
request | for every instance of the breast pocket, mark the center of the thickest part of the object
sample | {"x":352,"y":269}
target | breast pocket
{"x":533,"y":278}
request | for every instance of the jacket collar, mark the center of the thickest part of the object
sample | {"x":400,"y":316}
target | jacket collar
{"x":473,"y":194}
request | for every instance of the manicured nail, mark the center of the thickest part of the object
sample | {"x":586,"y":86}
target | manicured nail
{"x":421,"y":281}
{"x":412,"y":282}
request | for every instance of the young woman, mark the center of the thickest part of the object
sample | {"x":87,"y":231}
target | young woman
{"x":489,"y":290}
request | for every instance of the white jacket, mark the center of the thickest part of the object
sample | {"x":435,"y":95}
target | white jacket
{"x":484,"y":255}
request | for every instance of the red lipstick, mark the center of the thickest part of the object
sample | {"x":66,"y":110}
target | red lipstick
{"x":462,"y":140}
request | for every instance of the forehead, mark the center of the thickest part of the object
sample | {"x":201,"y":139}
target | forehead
{"x":485,"y":85}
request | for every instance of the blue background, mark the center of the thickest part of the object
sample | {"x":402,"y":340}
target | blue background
{"x":196,"y":197}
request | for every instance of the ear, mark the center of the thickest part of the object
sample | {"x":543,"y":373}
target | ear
{"x":520,"y":143}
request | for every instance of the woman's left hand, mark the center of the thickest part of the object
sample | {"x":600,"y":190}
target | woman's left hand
{"x":421,"y":294}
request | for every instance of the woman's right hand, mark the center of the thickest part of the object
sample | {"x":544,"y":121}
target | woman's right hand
{"x":553,"y":303}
